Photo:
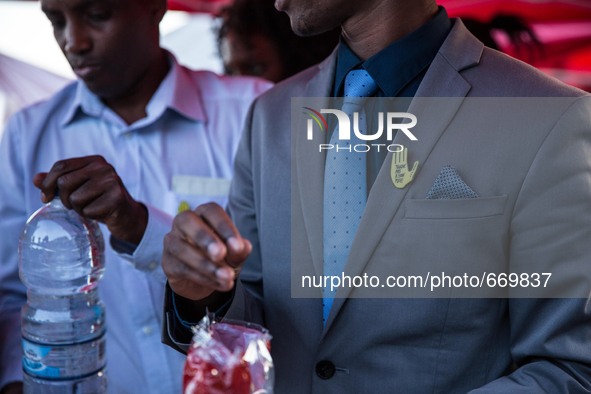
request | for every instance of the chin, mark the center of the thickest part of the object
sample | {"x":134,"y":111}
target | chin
{"x":95,"y":88}
{"x":310,"y":24}
{"x":101,"y":90}
{"x":302,"y":27}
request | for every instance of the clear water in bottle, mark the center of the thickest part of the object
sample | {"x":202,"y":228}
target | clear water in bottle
{"x":63,"y":323}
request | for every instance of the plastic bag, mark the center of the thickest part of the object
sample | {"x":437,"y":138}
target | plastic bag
{"x":228,"y":357}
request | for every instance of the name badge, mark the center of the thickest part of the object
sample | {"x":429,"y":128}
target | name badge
{"x":201,"y":186}
{"x":204,"y":188}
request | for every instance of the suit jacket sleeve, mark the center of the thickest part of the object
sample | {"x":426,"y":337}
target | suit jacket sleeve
{"x":246,"y":303}
{"x":243,"y":206}
{"x":551,"y":232}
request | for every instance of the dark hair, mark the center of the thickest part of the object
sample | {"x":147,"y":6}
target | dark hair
{"x":520,"y":35}
{"x":245,"y":18}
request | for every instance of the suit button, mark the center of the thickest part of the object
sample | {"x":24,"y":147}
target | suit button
{"x":325,"y":369}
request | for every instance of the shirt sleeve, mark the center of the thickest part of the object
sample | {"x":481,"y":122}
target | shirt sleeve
{"x":181,"y":314}
{"x":245,"y":301}
{"x":14,"y":215}
{"x":147,"y":255}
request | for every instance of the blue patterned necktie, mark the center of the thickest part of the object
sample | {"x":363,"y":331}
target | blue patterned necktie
{"x":345,"y":190}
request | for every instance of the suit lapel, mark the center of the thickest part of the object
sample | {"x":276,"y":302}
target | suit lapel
{"x":442,"y":80}
{"x":309,"y":164}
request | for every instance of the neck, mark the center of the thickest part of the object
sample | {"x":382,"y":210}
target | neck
{"x":131,"y":106}
{"x":368,"y":32}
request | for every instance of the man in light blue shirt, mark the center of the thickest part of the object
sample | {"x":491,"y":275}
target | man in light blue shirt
{"x":131,"y":142}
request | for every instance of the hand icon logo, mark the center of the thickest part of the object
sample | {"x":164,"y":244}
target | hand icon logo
{"x":399,"y":172}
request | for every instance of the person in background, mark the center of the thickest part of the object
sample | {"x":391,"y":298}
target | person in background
{"x":22,"y":84}
{"x":256,"y":39}
{"x":499,"y":188}
{"x":522,"y":43}
{"x":136,"y":138}
{"x":519,"y":34}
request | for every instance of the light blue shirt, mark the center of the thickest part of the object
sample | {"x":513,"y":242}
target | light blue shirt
{"x":182,"y":151}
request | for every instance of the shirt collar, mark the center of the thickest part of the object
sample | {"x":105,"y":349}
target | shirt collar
{"x":84,"y":103}
{"x":399,"y":63}
{"x":173,"y":93}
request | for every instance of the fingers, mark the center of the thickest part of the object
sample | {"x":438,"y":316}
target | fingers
{"x":397,"y":158}
{"x":400,"y":157}
{"x":191,"y":227}
{"x":184,"y":263}
{"x":91,"y":187}
{"x":227,"y":238}
{"x":98,"y":197}
{"x":414,"y":168}
{"x":38,"y":182}
{"x":68,"y":175}
{"x":202,"y":252}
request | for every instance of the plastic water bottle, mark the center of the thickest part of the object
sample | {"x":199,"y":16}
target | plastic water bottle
{"x":63,"y":323}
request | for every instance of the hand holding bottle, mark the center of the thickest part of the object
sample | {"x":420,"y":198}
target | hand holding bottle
{"x":90,"y":186}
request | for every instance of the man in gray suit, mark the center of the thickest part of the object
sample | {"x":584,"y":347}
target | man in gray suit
{"x":509,"y":193}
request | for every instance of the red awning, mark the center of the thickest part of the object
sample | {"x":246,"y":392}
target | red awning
{"x":204,"y":6}
{"x":531,"y":10}
{"x":562,"y":26}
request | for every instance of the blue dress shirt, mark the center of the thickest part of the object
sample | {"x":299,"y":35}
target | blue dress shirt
{"x":398,"y":71}
{"x":399,"y":68}
{"x":180,"y":153}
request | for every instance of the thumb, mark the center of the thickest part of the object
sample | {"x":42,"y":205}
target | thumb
{"x":38,"y":182}
{"x":38,"y":179}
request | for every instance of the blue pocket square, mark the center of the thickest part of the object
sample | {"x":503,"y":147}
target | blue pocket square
{"x":449,"y":185}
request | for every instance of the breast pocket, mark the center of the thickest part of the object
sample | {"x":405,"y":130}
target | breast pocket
{"x":455,"y":209}
{"x":188,"y":192}
{"x":463,"y":236}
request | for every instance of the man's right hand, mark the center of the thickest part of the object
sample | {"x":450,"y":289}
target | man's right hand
{"x":203,"y":252}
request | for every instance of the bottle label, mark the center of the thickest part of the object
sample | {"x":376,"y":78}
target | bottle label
{"x":34,"y":355}
{"x":68,"y":361}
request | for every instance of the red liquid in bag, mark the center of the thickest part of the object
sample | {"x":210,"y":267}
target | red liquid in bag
{"x":228,"y":359}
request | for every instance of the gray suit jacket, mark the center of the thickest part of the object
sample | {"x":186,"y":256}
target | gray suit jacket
{"x":523,"y":219}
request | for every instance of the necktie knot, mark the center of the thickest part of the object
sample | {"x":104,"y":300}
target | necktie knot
{"x":358,"y":83}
